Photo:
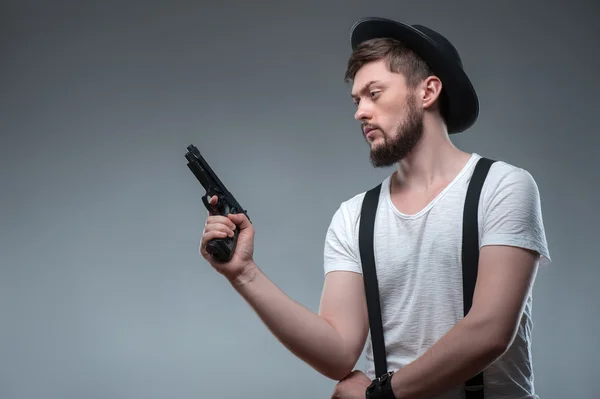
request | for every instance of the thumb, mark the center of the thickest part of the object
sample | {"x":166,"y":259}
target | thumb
{"x":240,"y":219}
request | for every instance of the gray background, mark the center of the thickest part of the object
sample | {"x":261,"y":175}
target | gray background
{"x":103,"y":293}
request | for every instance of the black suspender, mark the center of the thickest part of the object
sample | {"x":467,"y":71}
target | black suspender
{"x":367,"y":258}
{"x":470,"y":259}
{"x":470,"y":256}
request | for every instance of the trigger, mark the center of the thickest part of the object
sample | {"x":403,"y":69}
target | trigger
{"x":211,"y":208}
{"x":214,"y":209}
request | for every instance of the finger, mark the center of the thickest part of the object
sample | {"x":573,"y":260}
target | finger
{"x":228,"y":230}
{"x":218,"y":219}
{"x":206,"y":238}
{"x":212,"y":201}
{"x":211,"y":235}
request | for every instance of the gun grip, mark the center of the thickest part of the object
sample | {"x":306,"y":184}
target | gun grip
{"x":222,"y":248}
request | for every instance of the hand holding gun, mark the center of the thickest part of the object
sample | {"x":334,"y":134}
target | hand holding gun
{"x":221,"y":249}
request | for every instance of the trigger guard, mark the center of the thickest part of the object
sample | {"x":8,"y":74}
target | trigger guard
{"x":207,"y":204}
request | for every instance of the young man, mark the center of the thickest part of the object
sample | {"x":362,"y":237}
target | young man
{"x":411,"y":92}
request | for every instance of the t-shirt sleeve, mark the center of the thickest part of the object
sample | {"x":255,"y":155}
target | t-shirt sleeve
{"x":512,"y":214}
{"x":340,"y":252}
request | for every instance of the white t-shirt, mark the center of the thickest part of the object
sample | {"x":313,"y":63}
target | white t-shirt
{"x":419,"y":269}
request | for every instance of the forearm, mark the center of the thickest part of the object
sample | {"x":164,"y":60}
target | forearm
{"x":307,"y":335}
{"x":459,"y":355}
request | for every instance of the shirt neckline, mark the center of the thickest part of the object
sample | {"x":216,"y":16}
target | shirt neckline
{"x":426,"y":208}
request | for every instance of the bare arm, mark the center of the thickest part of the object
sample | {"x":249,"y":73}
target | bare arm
{"x":331,"y":341}
{"x":503,"y":284}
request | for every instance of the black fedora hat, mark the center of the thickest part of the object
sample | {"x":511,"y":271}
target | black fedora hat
{"x":441,"y":57}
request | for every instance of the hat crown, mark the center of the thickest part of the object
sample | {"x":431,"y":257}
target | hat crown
{"x":441,"y":42}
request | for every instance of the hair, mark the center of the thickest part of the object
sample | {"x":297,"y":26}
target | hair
{"x":400,"y":59}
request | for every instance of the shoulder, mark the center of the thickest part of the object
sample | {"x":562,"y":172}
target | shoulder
{"x":347,"y":215}
{"x":348,"y":211}
{"x":341,"y":250}
{"x":510,"y":209}
{"x":505,"y":172}
{"x":509,"y":182}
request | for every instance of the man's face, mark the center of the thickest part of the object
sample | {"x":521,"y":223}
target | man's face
{"x":391,"y":121}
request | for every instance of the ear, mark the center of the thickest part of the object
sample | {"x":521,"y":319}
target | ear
{"x":432,"y":87}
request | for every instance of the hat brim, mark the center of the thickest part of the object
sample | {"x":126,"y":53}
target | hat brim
{"x":463,"y":104}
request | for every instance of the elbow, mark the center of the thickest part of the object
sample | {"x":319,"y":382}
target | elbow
{"x":501,"y":336}
{"x":344,"y":354}
{"x":506,"y":338}
{"x":339,"y":369}
{"x":496,"y":337}
{"x":338,"y":372}
{"x":498,"y":345}
{"x":500,"y":340}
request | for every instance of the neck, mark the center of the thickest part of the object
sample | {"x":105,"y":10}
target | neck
{"x":435,"y":160}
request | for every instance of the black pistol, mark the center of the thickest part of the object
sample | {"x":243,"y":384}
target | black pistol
{"x":220,"y":248}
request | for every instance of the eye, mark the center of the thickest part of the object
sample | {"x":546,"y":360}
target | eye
{"x":374,"y":94}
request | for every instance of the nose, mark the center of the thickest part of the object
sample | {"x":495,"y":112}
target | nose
{"x":363,"y":111}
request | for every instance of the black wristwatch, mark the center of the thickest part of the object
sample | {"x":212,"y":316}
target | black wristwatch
{"x":381,"y":388}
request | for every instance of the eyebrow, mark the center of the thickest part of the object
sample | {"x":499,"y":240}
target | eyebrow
{"x":364,"y":87}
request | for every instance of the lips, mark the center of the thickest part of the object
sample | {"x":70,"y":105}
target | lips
{"x":370,"y":132}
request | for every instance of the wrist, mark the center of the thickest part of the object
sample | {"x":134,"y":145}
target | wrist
{"x":246,"y":276}
{"x":381,"y":388}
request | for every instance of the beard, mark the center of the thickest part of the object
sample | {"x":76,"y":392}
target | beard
{"x":407,"y":136}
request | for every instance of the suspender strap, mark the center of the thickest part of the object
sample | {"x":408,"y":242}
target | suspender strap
{"x":470,"y":256}
{"x":367,"y":257}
